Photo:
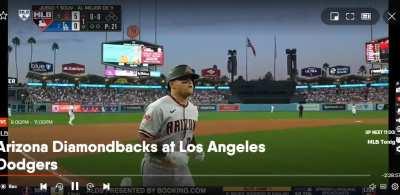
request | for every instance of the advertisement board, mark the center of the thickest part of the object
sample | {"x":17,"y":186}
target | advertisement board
{"x":311,"y":107}
{"x":333,"y":106}
{"x":207,"y":108}
{"x":381,"y":106}
{"x":83,"y":108}
{"x":213,"y":73}
{"x":132,"y":108}
{"x":339,"y":70}
{"x":228,"y":107}
{"x":65,"y":108}
{"x":311,"y":72}
{"x":362,"y":107}
{"x":152,"y":56}
{"x":73,"y":68}
{"x":378,"y":71}
{"x":41,"y":67}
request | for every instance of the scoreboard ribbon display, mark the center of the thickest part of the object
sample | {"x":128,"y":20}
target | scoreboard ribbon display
{"x":77,"y":18}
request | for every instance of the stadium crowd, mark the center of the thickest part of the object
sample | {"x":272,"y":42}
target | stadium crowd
{"x":345,"y":95}
{"x":112,"y":96}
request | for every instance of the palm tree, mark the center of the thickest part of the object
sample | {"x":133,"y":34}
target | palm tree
{"x":362,"y":70}
{"x":31,"y":41}
{"x":54,"y":47}
{"x":325,"y":66}
{"x":9,"y":51}
{"x":268,"y":76}
{"x":16,"y":41}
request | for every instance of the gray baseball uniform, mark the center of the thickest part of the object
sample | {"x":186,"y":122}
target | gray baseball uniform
{"x":167,"y":121}
{"x":353,"y":109}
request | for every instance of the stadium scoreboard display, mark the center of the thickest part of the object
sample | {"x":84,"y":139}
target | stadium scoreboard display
{"x":77,"y":18}
{"x":126,"y":54}
{"x":377,"y":51}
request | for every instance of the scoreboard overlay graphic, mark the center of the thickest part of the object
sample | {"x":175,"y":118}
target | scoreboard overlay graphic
{"x":77,"y":18}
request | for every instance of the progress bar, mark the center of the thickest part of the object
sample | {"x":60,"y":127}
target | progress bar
{"x":195,"y":175}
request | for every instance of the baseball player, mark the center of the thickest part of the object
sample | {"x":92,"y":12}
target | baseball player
{"x":354,"y":110}
{"x":170,"y":118}
{"x":71,"y":115}
{"x":272,"y":108}
{"x":301,"y":109}
{"x":9,"y":112}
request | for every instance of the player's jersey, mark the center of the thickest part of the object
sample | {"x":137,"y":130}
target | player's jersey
{"x":71,"y":112}
{"x":353,"y":109}
{"x":169,"y":121}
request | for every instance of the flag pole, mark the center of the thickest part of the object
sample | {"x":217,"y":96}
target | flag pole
{"x":274,"y":55}
{"x":246,"y":57}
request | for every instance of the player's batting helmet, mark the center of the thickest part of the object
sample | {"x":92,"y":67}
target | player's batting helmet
{"x":180,"y":71}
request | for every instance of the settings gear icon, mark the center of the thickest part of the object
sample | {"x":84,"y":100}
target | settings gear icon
{"x":395,"y":186}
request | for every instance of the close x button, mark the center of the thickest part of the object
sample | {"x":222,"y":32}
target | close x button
{"x":391,"y":17}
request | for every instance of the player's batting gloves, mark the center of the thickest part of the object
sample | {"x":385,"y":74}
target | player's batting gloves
{"x":199,"y":155}
{"x":178,"y":158}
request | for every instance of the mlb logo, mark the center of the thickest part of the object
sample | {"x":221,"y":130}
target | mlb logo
{"x":3,"y":122}
{"x":24,"y":14}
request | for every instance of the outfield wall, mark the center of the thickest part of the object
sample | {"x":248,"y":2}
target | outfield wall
{"x":293,"y":107}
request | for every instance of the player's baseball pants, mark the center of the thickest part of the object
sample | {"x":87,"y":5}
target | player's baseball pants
{"x":157,"y":175}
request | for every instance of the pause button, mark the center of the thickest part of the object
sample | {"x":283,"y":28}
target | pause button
{"x":75,"y":186}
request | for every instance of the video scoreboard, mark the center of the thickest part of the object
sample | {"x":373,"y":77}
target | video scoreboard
{"x":77,"y":18}
{"x":377,"y":51}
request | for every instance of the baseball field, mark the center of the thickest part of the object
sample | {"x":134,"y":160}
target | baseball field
{"x":323,"y":148}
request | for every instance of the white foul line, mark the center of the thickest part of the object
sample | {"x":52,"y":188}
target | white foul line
{"x":55,"y":173}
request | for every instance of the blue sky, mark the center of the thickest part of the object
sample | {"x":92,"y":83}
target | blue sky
{"x":199,"y":33}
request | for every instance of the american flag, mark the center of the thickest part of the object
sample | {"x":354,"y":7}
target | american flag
{"x":251,"y":46}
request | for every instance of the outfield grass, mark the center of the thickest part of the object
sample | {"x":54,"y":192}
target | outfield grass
{"x":338,"y":149}
{"x":96,"y":118}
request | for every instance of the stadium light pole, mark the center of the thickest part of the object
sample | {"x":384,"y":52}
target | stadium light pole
{"x":246,"y":57}
{"x":274,"y":55}
{"x":230,"y":64}
{"x":140,"y":16}
{"x":155,"y":21}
